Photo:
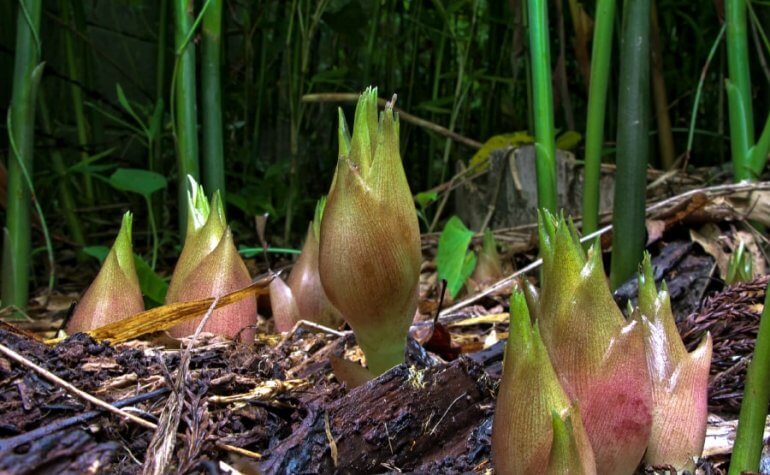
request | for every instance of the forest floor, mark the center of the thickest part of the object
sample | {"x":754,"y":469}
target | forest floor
{"x":274,"y":406}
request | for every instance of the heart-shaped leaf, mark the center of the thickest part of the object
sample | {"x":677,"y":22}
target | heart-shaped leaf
{"x":143,"y":182}
{"x":454,"y":262}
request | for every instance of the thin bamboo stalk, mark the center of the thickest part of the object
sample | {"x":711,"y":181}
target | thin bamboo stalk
{"x":665,"y":134}
{"x":16,"y":248}
{"x":545,"y":145}
{"x":739,"y":88}
{"x":632,"y":142}
{"x":756,"y":396}
{"x":597,"y":108}
{"x":76,"y":94}
{"x":186,"y":105}
{"x":65,"y":193}
{"x":213,"y":147}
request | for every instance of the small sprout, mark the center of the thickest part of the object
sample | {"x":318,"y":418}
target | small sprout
{"x":741,"y":266}
{"x":305,"y":280}
{"x":525,"y":436}
{"x":114,"y":294}
{"x":598,"y":355}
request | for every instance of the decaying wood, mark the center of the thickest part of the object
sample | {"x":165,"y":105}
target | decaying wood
{"x":69,"y":452}
{"x":407,"y":414}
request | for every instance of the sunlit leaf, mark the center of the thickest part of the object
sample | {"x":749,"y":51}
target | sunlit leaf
{"x":454,"y":262}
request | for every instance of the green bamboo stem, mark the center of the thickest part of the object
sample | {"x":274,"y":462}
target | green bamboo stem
{"x":632,"y":142}
{"x":699,"y":91}
{"x":597,"y":108}
{"x":185,"y":98}
{"x":65,"y":193}
{"x":160,"y":75}
{"x":660,"y":99}
{"x":756,"y":396}
{"x":213,"y":148}
{"x":76,"y":94}
{"x":545,"y":146}
{"x":16,"y":249}
{"x":739,"y":88}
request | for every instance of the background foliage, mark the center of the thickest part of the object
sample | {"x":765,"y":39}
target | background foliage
{"x":462,"y":64}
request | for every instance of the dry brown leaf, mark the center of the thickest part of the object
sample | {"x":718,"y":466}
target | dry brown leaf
{"x":162,"y":318}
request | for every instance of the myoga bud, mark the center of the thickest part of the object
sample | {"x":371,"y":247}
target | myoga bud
{"x":305,"y":280}
{"x":598,"y":355}
{"x":210,"y":266}
{"x":679,"y":380}
{"x":369,"y":250}
{"x":536,"y":429}
{"x":114,"y":294}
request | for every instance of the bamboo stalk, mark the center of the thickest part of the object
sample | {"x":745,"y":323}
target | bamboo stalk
{"x":545,"y":145}
{"x":665,"y":134}
{"x":16,"y":249}
{"x":632,"y":142}
{"x":185,"y":98}
{"x":76,"y":94}
{"x":65,"y":194}
{"x":213,"y":147}
{"x":739,"y":88}
{"x":756,"y":396}
{"x":597,"y":108}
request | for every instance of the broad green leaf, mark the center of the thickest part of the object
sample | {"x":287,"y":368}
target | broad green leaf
{"x":153,"y":286}
{"x":454,"y":262}
{"x":97,"y":252}
{"x":143,"y":182}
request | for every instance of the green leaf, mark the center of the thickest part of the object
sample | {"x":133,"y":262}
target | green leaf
{"x":153,"y":286}
{"x":156,"y":120}
{"x":97,"y":252}
{"x":139,"y":181}
{"x":454,"y":262}
{"x":568,"y":140}
{"x":425,"y":198}
{"x":127,"y":106}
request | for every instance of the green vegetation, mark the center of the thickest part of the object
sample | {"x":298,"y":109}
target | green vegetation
{"x":139,"y":85}
{"x":756,"y":396}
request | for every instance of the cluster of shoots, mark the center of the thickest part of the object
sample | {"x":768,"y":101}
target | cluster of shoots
{"x":208,"y":266}
{"x":601,"y":399}
{"x":360,"y":261}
